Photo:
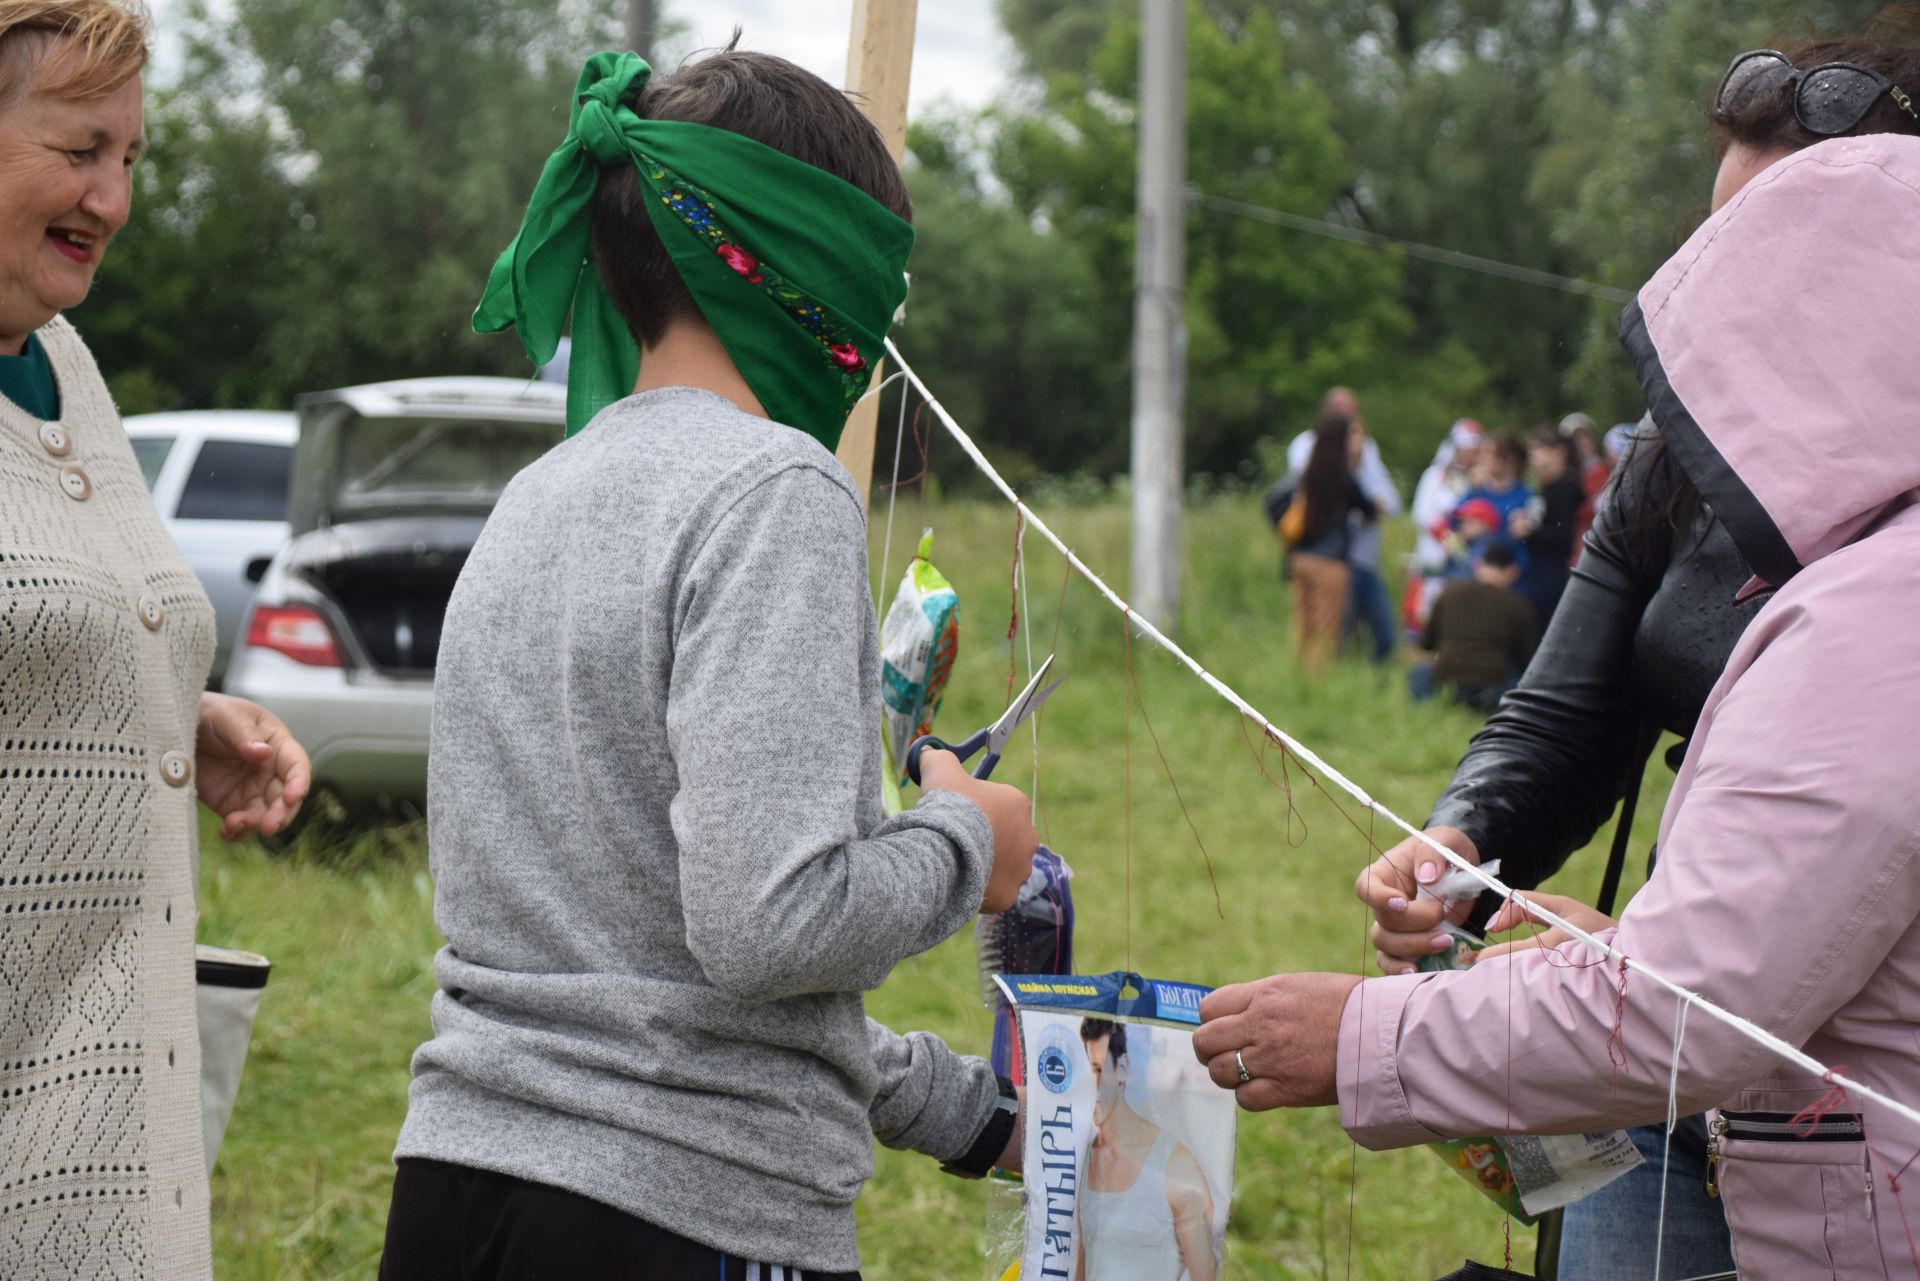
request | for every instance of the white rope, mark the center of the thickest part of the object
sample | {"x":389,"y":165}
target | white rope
{"x":1793,"y":1054}
{"x":893,"y":490}
{"x":1026,"y":634}
{"x":1673,"y":1119}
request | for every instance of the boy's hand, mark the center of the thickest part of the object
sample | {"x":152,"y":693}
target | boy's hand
{"x":1011,"y":814}
{"x":1013,"y":1157}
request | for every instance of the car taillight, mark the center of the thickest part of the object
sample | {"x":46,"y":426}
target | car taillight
{"x":296,"y":631}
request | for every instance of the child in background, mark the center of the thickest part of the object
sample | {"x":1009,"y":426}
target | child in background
{"x":660,"y":859}
{"x":1481,"y":634}
{"x":1474,"y":525}
{"x":1500,"y":477}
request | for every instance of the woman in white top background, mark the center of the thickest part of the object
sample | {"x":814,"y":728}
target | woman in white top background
{"x":107,"y":734}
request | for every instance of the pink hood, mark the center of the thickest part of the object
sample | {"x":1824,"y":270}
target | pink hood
{"x":1780,"y":353}
{"x":1779,"y":350}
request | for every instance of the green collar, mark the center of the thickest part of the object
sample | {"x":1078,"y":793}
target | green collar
{"x":27,"y":381}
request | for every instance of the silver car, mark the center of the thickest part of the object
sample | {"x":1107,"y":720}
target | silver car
{"x":391,"y":484}
{"x":219,"y":478}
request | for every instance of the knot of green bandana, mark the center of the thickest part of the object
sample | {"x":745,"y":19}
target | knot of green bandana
{"x":798,"y":272}
{"x":597,"y":118}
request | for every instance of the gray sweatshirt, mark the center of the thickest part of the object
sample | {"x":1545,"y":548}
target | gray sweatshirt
{"x":659,"y":856}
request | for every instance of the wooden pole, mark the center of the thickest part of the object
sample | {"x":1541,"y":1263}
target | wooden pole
{"x":879,"y":65}
{"x":640,"y":27}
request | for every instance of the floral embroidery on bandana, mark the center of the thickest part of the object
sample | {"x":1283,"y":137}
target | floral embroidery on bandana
{"x":694,"y":207}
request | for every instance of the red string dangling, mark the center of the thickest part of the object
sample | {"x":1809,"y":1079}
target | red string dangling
{"x":1616,"y":1042}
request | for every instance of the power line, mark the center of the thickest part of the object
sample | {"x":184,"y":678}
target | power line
{"x":1446,"y":257}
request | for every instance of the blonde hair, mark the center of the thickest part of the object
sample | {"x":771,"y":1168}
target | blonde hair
{"x":73,"y":48}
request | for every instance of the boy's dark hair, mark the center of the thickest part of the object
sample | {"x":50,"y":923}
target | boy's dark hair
{"x":758,"y":96}
{"x":1498,"y":554}
{"x":1092,"y":1030}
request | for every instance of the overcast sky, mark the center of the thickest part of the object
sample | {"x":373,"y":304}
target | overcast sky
{"x":960,"y":53}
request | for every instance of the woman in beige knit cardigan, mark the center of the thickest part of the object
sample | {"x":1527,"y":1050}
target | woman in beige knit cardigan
{"x":106,"y":733}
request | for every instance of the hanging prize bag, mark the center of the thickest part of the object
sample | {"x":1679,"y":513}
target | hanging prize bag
{"x":919,"y":640}
{"x":1126,"y":1142}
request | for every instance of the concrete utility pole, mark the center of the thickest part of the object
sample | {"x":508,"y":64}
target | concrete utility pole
{"x":1159,"y":326}
{"x":879,"y":66}
{"x":640,"y":27}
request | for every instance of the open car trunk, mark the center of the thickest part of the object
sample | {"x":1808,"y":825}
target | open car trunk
{"x":389,"y":582}
{"x":391,"y":484}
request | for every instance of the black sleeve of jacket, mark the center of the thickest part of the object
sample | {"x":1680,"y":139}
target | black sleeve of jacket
{"x":1550,"y":765}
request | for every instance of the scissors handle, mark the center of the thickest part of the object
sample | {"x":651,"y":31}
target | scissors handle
{"x":964,"y":751}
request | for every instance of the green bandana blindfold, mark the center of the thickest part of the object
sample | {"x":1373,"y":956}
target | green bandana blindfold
{"x":798,"y":272}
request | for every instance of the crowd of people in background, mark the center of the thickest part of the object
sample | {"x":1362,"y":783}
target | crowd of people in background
{"x":1498,"y":521}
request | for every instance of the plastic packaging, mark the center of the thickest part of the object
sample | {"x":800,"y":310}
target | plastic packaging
{"x":919,"y":640}
{"x":1525,"y":1174}
{"x":1127,"y":1144}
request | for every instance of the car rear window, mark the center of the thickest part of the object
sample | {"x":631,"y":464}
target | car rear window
{"x":152,"y":452}
{"x":236,"y":480}
{"x":396,"y":459}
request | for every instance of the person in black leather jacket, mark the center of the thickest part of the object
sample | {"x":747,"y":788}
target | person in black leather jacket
{"x":1640,"y":636}
{"x":1649,"y":616}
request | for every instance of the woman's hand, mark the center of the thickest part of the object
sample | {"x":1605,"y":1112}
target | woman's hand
{"x":1512,"y":915}
{"x":1285,"y":1029}
{"x":250,"y":770}
{"x":1406,"y":922}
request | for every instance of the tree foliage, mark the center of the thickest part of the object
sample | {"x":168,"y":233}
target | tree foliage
{"x":330,"y":180}
{"x":1564,"y":135}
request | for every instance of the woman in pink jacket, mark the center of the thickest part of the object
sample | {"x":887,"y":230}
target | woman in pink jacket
{"x":1779,"y":351}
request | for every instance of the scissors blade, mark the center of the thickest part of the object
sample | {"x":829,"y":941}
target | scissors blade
{"x":1022,"y":707}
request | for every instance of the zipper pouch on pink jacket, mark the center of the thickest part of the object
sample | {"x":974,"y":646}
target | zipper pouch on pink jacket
{"x":1799,"y":1193}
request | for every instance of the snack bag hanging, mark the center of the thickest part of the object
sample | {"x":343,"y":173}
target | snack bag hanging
{"x":1526,"y":1175}
{"x":1127,"y":1144}
{"x":919,"y":640}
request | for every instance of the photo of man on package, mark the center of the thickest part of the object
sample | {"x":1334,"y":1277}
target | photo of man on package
{"x":1146,"y":1210}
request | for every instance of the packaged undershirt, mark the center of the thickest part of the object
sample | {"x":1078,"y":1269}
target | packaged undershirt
{"x":1128,"y":1145}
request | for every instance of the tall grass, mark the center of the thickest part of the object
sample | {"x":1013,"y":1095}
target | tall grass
{"x":301,"y":1189}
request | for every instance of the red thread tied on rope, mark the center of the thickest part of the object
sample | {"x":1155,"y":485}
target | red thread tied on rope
{"x":1616,"y":1043}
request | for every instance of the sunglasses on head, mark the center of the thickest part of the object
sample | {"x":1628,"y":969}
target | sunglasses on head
{"x":1828,"y":100}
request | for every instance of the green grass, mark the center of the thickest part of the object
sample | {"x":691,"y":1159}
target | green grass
{"x":302,"y":1185}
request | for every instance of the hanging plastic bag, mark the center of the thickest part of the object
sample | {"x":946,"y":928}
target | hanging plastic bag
{"x":228,"y":987}
{"x":1127,"y":1144}
{"x":919,"y":640}
{"x":1524,"y":1174}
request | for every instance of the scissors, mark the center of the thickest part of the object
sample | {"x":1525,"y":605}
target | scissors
{"x":994,"y":737}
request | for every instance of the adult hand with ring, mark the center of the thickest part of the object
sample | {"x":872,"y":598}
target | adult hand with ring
{"x":1274,"y":1042}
